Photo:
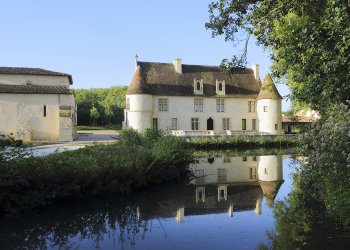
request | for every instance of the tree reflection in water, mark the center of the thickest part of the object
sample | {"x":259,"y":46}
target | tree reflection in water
{"x":115,"y":217}
{"x":227,"y":185}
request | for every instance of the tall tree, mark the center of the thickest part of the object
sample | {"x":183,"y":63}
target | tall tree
{"x":309,"y":42}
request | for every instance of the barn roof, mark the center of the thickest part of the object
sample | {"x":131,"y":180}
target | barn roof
{"x":32,"y":71}
{"x":33,"y":89}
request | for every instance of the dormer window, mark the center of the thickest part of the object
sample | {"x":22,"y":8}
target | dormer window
{"x":220,"y":87}
{"x":198,"y":86}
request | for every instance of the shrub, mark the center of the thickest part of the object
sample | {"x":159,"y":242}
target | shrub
{"x":130,"y":137}
{"x":151,"y":135}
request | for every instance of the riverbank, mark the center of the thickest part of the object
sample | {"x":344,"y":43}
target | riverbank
{"x":243,"y":142}
{"x":137,"y":161}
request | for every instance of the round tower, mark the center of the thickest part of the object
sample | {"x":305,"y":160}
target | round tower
{"x":139,"y":102}
{"x":270,"y":176}
{"x":269,"y":108}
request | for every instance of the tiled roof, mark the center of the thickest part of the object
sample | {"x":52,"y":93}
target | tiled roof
{"x":33,"y":89}
{"x":297,"y":119}
{"x":268,"y":89}
{"x":162,"y":79}
{"x":32,"y":71}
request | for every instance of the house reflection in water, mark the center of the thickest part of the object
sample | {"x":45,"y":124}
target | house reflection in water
{"x":233,"y":184}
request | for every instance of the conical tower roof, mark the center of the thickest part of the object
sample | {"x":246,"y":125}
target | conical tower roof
{"x":137,"y":86}
{"x":270,"y":190}
{"x":268,"y":89}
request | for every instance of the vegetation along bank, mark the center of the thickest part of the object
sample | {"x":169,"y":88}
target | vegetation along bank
{"x":137,"y":161}
{"x":246,"y":142}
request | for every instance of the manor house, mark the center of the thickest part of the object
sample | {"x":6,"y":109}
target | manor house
{"x":198,"y":99}
{"x":36,"y":104}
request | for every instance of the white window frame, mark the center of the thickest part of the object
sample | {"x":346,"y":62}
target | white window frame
{"x":198,"y":105}
{"x":265,"y":109}
{"x":197,"y":91}
{"x":226,"y":124}
{"x":174,"y":123}
{"x":220,"y":105}
{"x":218,"y":92}
{"x":251,"y":106}
{"x":194,"y":123}
{"x":253,"y":124}
{"x":163,"y":104}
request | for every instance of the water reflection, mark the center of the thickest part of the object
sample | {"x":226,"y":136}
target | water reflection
{"x":235,"y":183}
{"x":223,"y":190}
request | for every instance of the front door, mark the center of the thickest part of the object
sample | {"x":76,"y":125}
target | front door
{"x":210,"y":124}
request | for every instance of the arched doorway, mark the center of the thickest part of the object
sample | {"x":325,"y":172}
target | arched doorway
{"x":210,"y":124}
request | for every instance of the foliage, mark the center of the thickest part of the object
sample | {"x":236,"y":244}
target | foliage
{"x":9,"y":141}
{"x":316,"y":213}
{"x":226,"y":142}
{"x":309,"y":42}
{"x":27,"y":181}
{"x":101,"y":106}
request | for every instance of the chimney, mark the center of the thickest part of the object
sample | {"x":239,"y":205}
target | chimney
{"x":177,"y":65}
{"x":255,"y":68}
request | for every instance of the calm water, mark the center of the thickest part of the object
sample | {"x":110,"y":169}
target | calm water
{"x":227,"y":206}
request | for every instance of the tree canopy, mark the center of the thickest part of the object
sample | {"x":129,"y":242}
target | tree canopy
{"x":309,"y":42}
{"x":100,"y":106}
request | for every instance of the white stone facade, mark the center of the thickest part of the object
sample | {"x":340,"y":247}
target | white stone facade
{"x":29,"y":112}
{"x":221,"y":113}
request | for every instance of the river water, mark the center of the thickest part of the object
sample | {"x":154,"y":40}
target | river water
{"x":228,"y":204}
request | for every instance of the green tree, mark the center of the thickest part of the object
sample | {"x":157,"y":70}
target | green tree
{"x":109,"y":102}
{"x":309,"y":42}
{"x":94,"y":114}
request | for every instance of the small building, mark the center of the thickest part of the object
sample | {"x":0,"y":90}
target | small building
{"x":198,"y":99}
{"x":37,"y":104}
{"x":295,"y":123}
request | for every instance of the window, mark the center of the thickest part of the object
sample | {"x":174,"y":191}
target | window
{"x":254,"y":124}
{"x":221,"y":174}
{"x":195,"y":123}
{"x":174,"y":123}
{"x":44,"y":110}
{"x":155,"y":123}
{"x":225,"y":123}
{"x":220,"y":87}
{"x":276,"y":126}
{"x":254,"y":158}
{"x":199,"y":174}
{"x":266,"y":170}
{"x":244,"y":158}
{"x":251,"y":106}
{"x":244,"y":124}
{"x":252,"y":173}
{"x":220,"y":105}
{"x":265,"y":108}
{"x":163,"y":104}
{"x":198,"y":86}
{"x":198,"y":105}
{"x":227,"y":159}
{"x":127,"y":103}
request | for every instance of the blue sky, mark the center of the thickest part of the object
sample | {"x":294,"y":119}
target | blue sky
{"x":96,"y":40}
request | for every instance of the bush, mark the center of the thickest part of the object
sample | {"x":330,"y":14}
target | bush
{"x":27,"y":181}
{"x":130,"y":137}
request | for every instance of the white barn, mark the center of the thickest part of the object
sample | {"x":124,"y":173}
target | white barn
{"x":197,"y":99}
{"x":37,"y":104}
